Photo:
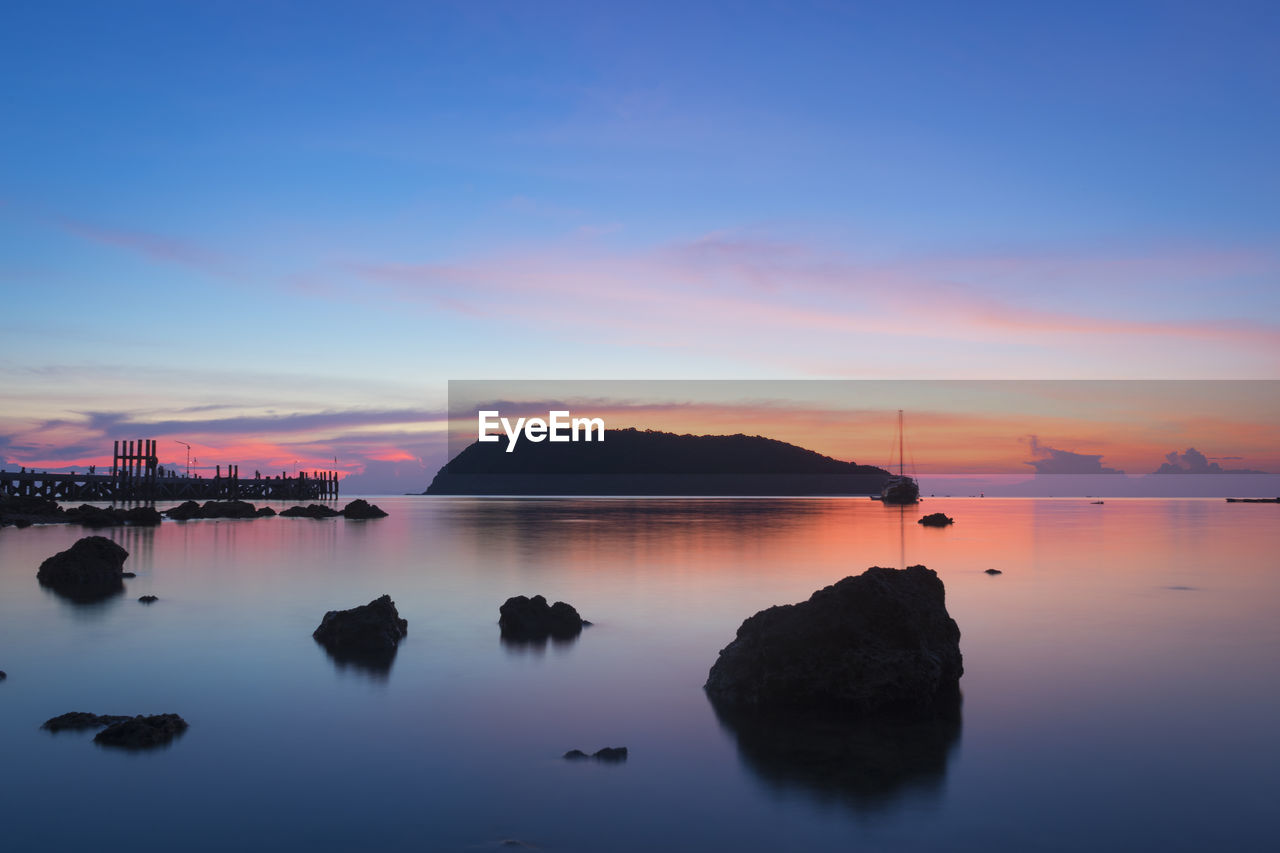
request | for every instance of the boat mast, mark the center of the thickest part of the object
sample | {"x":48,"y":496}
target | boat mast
{"x":899,"y":442}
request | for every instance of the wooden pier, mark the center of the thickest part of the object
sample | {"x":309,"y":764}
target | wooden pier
{"x":136,"y":475}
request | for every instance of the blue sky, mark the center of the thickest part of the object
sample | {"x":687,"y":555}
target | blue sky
{"x":274,"y":209}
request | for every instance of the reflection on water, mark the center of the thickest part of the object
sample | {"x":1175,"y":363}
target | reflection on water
{"x":868,"y":765}
{"x":537,"y":646}
{"x":376,"y":666}
{"x":86,"y":595}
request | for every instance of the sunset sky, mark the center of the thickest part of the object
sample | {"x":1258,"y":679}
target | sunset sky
{"x":276,"y":230}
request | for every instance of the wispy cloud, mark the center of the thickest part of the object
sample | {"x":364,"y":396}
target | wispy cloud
{"x":152,"y":246}
{"x":745,"y":293}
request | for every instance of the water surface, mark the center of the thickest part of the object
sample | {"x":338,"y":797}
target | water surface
{"x":1120,"y":692}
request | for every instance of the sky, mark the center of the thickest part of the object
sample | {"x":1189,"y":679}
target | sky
{"x":275,"y":231}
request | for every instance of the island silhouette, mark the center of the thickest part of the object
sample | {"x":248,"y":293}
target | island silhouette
{"x":632,"y":461}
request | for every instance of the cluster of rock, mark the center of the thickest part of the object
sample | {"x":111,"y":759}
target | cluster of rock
{"x":358,"y":508}
{"x":140,"y":732}
{"x":90,"y":570}
{"x":25,"y":511}
{"x":523,"y":619}
{"x":189,"y":510}
{"x":936,"y":519}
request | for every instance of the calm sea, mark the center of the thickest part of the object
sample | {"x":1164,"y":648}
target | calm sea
{"x":1121,"y":688}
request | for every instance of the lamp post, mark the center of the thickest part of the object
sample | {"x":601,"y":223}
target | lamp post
{"x":188,"y":447}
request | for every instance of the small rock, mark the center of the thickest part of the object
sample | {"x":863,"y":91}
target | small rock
{"x":142,"y":516}
{"x":994,"y":572}
{"x":522,"y":618}
{"x":142,"y":732}
{"x":609,"y":755}
{"x":189,"y":510}
{"x":936,"y":519}
{"x":360,"y":508}
{"x":184,"y":511}
{"x":371,"y":630}
{"x":3,"y":676}
{"x":309,"y":511}
{"x":148,"y":599}
{"x":75,"y":720}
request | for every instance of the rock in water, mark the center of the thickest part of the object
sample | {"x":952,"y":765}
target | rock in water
{"x":309,"y":511}
{"x":936,"y":519}
{"x":994,"y":572}
{"x":90,"y":570}
{"x":369,"y":631}
{"x":75,"y":720}
{"x":609,"y":755}
{"x":881,"y":642}
{"x":360,"y":508}
{"x":522,"y":618}
{"x":184,"y":511}
{"x":142,"y":732}
{"x":148,"y":599}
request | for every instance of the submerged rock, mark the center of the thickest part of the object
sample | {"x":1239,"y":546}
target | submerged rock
{"x":522,"y":618}
{"x":90,"y":570}
{"x":148,"y":599}
{"x":142,"y":732}
{"x":936,"y":519}
{"x":994,"y":572}
{"x":76,"y":720}
{"x":370,"y":632}
{"x":878,"y":643}
{"x":360,"y":508}
{"x":3,"y":675}
{"x":309,"y":511}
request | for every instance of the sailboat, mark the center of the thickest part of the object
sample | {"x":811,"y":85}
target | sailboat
{"x":900,"y":489}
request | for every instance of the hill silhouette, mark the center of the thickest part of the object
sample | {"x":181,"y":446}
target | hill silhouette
{"x":647,"y":462}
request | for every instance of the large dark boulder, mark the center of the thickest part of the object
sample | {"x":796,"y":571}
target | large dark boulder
{"x":523,"y":618}
{"x":93,"y":567}
{"x":367,"y":634}
{"x":360,"y":508}
{"x":309,"y":511}
{"x":878,"y":643}
{"x":142,"y":732}
{"x":936,"y":519}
